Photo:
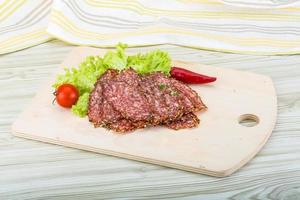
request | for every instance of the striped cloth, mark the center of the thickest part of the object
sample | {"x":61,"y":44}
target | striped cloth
{"x":263,"y":3}
{"x":205,"y":24}
{"x":23,"y":24}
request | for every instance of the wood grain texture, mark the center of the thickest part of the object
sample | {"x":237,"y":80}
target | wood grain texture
{"x":33,"y":170}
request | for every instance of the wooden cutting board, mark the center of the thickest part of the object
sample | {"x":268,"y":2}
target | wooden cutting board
{"x":218,"y":147}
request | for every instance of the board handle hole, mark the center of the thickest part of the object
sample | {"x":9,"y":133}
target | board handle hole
{"x":248,"y":120}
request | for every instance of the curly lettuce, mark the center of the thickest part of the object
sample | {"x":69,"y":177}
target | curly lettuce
{"x":150,"y":62}
{"x":116,"y":60}
{"x":81,"y":107}
{"x":87,"y":73}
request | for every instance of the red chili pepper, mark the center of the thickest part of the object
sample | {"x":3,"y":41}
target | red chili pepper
{"x":188,"y":76}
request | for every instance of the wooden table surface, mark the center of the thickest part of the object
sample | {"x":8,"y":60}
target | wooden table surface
{"x":34,"y":170}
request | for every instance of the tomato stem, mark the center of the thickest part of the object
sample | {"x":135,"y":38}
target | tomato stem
{"x":53,"y":102}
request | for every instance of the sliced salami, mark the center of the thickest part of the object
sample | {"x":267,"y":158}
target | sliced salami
{"x":125,"y":101}
{"x":188,"y":120}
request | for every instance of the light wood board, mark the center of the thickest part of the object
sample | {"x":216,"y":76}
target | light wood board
{"x":218,"y":147}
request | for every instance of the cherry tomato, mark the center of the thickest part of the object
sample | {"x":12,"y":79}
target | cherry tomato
{"x":66,"y":95}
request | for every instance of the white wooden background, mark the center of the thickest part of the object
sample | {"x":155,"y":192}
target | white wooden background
{"x":33,"y":170}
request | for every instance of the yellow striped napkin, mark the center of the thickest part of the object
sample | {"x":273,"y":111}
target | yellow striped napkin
{"x":205,"y":24}
{"x":263,"y":3}
{"x":195,"y":23}
{"x":23,"y":24}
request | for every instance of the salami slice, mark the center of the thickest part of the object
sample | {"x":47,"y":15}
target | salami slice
{"x":100,"y":111}
{"x":126,"y":97}
{"x":189,"y":120}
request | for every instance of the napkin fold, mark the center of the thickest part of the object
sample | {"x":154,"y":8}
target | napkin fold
{"x":23,"y":24}
{"x":201,"y":24}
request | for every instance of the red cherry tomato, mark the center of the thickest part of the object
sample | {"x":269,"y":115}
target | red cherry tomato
{"x":66,"y":95}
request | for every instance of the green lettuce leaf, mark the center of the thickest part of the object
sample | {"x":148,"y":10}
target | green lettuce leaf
{"x":85,"y":76}
{"x":150,"y":62}
{"x":81,"y":107}
{"x":116,"y":60}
